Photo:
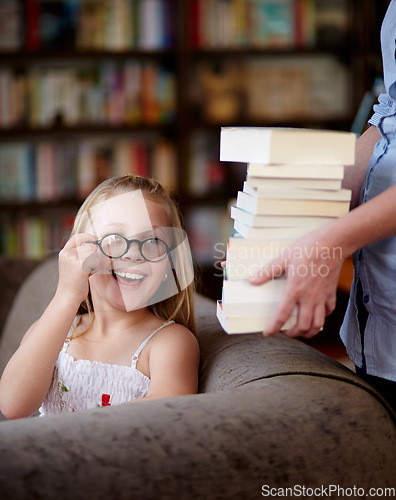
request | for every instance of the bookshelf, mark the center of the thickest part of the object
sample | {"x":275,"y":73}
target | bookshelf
{"x":92,"y":88}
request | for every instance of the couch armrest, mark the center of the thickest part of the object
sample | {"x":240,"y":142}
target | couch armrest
{"x":31,"y":299}
{"x":13,"y":272}
{"x":280,"y":431}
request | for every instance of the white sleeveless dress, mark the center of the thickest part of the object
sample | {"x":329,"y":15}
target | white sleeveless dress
{"x":82,"y":384}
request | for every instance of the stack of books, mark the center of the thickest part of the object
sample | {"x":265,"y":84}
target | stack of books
{"x":293,"y":185}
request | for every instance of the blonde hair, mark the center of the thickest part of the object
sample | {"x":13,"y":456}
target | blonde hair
{"x":179,"y":307}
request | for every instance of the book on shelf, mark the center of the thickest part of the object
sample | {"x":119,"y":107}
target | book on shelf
{"x":17,"y":177}
{"x":127,"y":93}
{"x":69,"y":170}
{"x":287,"y":145}
{"x":332,"y":22}
{"x":252,"y":323}
{"x":11,"y":25}
{"x":34,"y":236}
{"x":57,"y":25}
{"x":164,"y":165}
{"x":155,"y":25}
{"x":268,"y":219}
{"x":264,"y":23}
{"x":107,"y":25}
{"x":296,"y":88}
{"x":205,"y":174}
{"x":208,"y":228}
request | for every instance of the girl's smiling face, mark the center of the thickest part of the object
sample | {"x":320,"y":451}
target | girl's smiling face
{"x":129,"y":282}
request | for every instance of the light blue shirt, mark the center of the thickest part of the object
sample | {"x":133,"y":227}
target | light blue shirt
{"x":375,"y":265}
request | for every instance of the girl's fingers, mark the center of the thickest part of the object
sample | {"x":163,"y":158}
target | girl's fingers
{"x":79,"y":254}
{"x":85,"y":246}
{"x":90,"y":264}
{"x":79,"y":239}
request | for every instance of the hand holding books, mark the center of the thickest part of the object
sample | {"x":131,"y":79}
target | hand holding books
{"x":312,"y":269}
{"x":292,"y":190}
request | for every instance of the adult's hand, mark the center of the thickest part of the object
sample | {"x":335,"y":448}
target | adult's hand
{"x":312,"y":269}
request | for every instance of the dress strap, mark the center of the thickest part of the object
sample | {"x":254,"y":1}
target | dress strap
{"x":70,"y":334}
{"x":135,"y":357}
{"x":65,"y":345}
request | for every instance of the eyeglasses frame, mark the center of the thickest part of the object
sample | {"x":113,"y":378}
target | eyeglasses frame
{"x":140,"y":244}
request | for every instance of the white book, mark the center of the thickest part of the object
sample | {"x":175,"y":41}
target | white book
{"x":300,"y":194}
{"x":270,"y":248}
{"x":248,"y":324}
{"x":287,"y":145}
{"x":283,"y":206}
{"x":268,"y":221}
{"x":303,"y":171}
{"x":266,"y":233}
{"x":245,"y":309}
{"x":151,"y":24}
{"x":247,"y":256}
{"x":268,"y":182}
{"x":234,"y":291}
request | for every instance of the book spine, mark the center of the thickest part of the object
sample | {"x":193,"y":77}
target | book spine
{"x":32,"y":25}
{"x":251,"y":24}
{"x":194,"y":17}
{"x":49,"y":171}
{"x":110,"y":94}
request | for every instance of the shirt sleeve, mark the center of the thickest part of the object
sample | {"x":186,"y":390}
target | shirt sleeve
{"x":383,"y":108}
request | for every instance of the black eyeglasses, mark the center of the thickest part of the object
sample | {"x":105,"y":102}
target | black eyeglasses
{"x":115,"y":246}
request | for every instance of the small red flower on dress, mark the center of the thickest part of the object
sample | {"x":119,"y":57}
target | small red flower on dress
{"x":106,"y":400}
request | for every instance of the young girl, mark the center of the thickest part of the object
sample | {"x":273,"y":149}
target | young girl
{"x":120,"y":326}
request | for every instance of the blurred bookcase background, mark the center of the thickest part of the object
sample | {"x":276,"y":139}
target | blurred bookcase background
{"x":95,"y":88}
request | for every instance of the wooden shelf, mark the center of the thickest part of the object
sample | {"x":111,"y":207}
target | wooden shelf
{"x":40,"y":206}
{"x":84,"y":130}
{"x":251,"y":52}
{"x":67,"y":57}
{"x":341,"y":122}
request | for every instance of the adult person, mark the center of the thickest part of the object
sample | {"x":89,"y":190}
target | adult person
{"x":368,"y":232}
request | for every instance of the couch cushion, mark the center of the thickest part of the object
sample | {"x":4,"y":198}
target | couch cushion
{"x":32,"y":298}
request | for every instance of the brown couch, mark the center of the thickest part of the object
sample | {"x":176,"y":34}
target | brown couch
{"x":271,"y":414}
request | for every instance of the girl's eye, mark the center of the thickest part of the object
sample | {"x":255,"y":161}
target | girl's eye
{"x":154,"y":249}
{"x":152,"y":241}
{"x":114,"y":245}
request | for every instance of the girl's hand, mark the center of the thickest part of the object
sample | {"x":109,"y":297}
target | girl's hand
{"x":312,"y":269}
{"x":78,"y":260}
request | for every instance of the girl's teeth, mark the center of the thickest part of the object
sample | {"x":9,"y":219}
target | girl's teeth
{"x":130,"y":276}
